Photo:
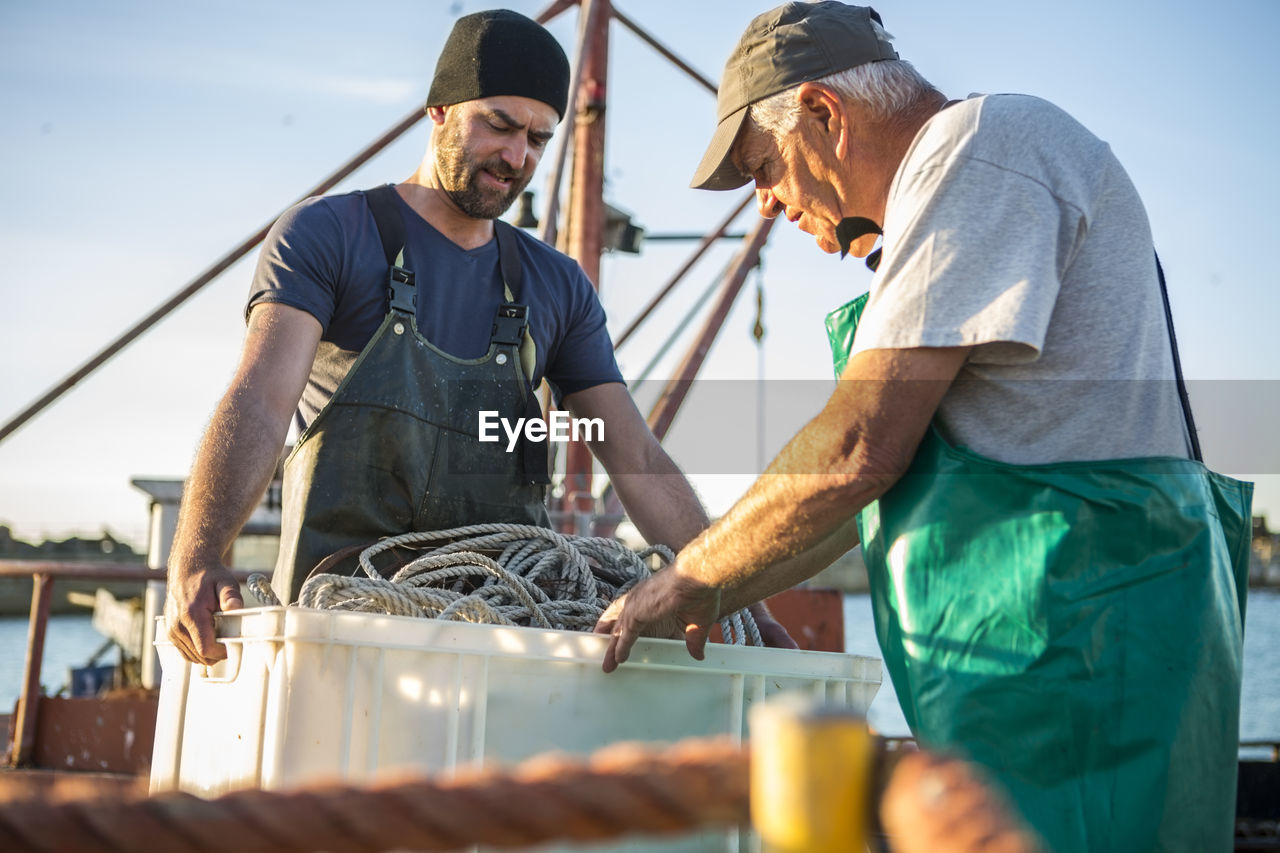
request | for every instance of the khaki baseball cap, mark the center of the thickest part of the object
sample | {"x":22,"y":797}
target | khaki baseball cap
{"x":783,"y":48}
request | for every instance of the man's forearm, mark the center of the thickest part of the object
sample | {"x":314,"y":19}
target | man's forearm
{"x":661,"y":503}
{"x":657,"y":497}
{"x":850,"y":454}
{"x":790,"y":571}
{"x":236,"y":461}
{"x":791,"y":523}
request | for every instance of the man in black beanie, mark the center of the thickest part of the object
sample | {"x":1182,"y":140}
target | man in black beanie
{"x":502,"y":64}
{"x":388,"y":324}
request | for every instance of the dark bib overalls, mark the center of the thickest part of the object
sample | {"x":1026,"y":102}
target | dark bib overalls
{"x":397,"y":448}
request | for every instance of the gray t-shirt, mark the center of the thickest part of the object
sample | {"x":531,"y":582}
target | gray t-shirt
{"x":1012,"y":229}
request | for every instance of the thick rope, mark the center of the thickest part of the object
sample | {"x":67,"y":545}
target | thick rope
{"x":622,"y":789}
{"x":505,"y":574}
{"x":261,"y":589}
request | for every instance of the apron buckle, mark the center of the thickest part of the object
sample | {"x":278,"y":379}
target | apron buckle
{"x":510,"y":324}
{"x":404,"y":293}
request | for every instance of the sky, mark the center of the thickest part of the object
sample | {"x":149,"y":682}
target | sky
{"x":142,"y":140}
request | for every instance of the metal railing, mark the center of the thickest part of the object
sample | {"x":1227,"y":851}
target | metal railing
{"x":44,"y":574}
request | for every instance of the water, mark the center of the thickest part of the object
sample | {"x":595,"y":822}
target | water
{"x":71,"y":640}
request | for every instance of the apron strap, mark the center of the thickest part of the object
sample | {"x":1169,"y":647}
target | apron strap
{"x":508,"y":259}
{"x":511,"y":326}
{"x":401,"y":287}
{"x":512,"y":320}
{"x":510,"y":268}
{"x":1177,"y":366}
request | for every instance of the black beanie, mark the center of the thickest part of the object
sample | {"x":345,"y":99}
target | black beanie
{"x":500,"y":52}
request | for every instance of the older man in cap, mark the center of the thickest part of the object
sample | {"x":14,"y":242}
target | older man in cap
{"x":1057,"y":580}
{"x":389,"y":320}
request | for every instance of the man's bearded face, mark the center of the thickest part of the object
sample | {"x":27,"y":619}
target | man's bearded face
{"x":482,"y":187}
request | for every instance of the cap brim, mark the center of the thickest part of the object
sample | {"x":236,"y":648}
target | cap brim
{"x":716,"y":171}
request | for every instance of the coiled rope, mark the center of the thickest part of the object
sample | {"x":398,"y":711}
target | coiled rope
{"x":504,"y":574}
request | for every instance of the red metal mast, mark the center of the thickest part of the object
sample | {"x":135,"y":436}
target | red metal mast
{"x":586,"y":209}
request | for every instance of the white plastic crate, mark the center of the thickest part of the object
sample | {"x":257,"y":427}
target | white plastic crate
{"x":308,"y":695}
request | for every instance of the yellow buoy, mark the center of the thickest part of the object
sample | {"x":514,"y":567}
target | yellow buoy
{"x":810,"y":776}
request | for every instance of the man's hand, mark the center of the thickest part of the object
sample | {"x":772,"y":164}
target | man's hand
{"x":192,"y":600}
{"x":774,"y":635}
{"x":665,"y":605}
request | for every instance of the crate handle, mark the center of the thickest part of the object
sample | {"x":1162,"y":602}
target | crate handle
{"x":235,"y":651}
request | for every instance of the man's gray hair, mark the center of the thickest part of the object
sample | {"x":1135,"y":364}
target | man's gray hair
{"x":886,"y":89}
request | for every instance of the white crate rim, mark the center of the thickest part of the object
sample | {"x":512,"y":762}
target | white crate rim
{"x":303,"y":625}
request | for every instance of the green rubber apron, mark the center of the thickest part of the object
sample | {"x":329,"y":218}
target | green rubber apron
{"x":1074,"y":627}
{"x":397,"y":448}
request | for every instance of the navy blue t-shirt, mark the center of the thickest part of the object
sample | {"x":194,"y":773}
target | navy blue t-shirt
{"x":324,"y":257}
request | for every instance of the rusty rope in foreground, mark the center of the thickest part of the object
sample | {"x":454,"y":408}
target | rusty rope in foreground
{"x":626,"y":788}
